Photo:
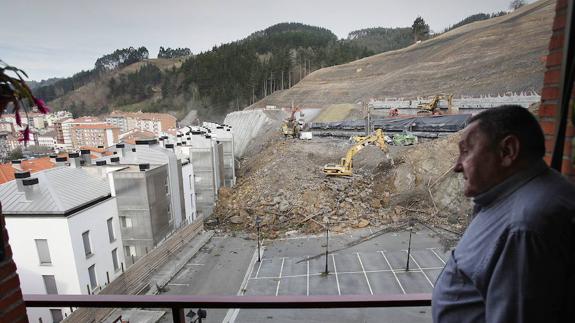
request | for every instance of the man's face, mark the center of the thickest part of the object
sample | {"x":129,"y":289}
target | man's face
{"x":478,"y":161}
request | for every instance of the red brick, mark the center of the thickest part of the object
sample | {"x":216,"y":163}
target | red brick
{"x":567,"y":148}
{"x":7,"y":251}
{"x":6,"y":269}
{"x":557,"y":40}
{"x":567,"y":167}
{"x":561,"y":4}
{"x":15,"y":297}
{"x":552,"y":76}
{"x":550,"y":93}
{"x":15,"y":314}
{"x":554,"y":58}
{"x":11,"y":283}
{"x":559,"y":22}
{"x":548,"y":127}
{"x":547,"y":110}
{"x":547,"y":159}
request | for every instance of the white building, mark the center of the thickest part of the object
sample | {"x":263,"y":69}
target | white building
{"x":64,"y":232}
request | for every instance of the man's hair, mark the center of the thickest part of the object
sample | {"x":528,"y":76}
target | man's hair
{"x":499,"y":122}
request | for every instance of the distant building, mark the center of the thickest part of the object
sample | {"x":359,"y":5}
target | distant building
{"x":64,"y":233}
{"x":94,"y":135}
{"x":48,"y":139}
{"x":153,"y":122}
{"x":131,"y":136}
{"x":7,"y":126}
{"x":67,"y":133}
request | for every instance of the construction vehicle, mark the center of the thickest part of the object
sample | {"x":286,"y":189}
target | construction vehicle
{"x":432,"y":107}
{"x":345,"y":167}
{"x":291,"y":126}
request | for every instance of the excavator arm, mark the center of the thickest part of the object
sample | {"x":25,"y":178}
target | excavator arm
{"x":345,"y":167}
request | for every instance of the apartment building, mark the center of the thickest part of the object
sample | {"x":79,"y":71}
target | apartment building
{"x":94,"y":135}
{"x":153,"y":122}
{"x":64,"y":233}
{"x":68,"y":134}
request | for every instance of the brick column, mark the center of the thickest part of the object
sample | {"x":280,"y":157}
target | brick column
{"x":12,"y":307}
{"x":550,"y":94}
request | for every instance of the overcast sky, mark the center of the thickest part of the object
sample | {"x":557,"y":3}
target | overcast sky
{"x":58,"y":38}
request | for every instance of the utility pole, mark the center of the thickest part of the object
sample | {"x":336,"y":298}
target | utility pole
{"x":282,"y":79}
{"x":326,"y":246}
{"x":409,"y":245}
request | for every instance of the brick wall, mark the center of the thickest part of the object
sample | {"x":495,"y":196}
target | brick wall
{"x":550,"y":94}
{"x":12,"y":307}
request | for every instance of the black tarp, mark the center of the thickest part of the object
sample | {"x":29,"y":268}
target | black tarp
{"x":443,"y":123}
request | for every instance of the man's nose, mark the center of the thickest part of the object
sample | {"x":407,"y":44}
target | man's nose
{"x":458,"y":168}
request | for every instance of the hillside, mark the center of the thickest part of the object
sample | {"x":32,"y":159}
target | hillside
{"x":486,"y":57}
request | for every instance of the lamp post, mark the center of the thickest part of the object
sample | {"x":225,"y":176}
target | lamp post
{"x":258,"y":222}
{"x":326,"y":245}
{"x":409,"y":245}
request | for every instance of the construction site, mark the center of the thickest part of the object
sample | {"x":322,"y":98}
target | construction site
{"x":344,"y":184}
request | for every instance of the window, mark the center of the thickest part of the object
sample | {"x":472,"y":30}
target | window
{"x":111,"y":234}
{"x":56,"y":315}
{"x":50,"y":284}
{"x":92,"y":274}
{"x":126,"y":222}
{"x":43,"y":251}
{"x":115,"y":259}
{"x":86,"y":240}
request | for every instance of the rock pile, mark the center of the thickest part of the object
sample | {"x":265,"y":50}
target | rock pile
{"x":284,"y":187}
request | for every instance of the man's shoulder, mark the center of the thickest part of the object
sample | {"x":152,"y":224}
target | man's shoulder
{"x":546,"y":200}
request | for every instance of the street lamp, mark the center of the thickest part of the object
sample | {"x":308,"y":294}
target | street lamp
{"x":258,"y":222}
{"x":201,"y":314}
{"x":326,"y":245}
{"x":409,"y":244}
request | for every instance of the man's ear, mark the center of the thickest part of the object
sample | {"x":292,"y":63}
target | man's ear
{"x":509,"y":150}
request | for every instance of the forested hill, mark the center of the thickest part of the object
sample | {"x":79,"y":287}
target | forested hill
{"x":223,"y":79}
{"x":214,"y":82}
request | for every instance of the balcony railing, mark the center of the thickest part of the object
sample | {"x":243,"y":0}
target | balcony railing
{"x":178,"y":303}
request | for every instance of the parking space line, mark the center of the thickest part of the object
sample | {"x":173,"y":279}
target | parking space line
{"x":307,"y":283}
{"x":259,"y":266}
{"x":335,"y":271}
{"x":233,"y":312}
{"x":420,"y":269}
{"x":280,"y":277}
{"x":364,"y":273}
{"x":394,"y":274}
{"x":435,"y":253}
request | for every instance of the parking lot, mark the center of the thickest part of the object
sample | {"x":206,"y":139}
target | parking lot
{"x":376,"y":266}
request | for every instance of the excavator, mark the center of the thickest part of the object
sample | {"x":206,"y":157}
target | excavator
{"x":345,"y":167}
{"x":291,"y":126}
{"x":432,"y":107}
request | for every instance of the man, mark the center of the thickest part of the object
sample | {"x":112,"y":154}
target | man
{"x":515,"y":262}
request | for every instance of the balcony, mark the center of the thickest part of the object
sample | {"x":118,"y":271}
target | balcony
{"x":178,"y":304}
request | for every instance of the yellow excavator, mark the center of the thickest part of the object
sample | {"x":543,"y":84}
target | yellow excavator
{"x":432,"y":106}
{"x":291,"y":126}
{"x":345,"y":167}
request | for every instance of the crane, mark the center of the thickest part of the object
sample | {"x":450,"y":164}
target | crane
{"x":345,"y":167}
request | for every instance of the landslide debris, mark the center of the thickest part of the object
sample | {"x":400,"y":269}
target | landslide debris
{"x":283,"y":185}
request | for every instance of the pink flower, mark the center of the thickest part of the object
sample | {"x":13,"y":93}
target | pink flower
{"x":25,"y":135}
{"x":42,"y":107}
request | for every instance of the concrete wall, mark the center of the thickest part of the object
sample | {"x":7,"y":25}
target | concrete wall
{"x":250,"y":124}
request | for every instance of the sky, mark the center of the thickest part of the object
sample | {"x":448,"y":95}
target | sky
{"x":58,"y":38}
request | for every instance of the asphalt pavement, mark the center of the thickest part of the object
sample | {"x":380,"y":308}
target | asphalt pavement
{"x":360,"y":262}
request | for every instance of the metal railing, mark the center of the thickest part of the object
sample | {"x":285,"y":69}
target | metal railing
{"x":178,"y":303}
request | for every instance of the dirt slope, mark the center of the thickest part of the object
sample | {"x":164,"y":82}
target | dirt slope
{"x":285,"y":187}
{"x":487,"y":57}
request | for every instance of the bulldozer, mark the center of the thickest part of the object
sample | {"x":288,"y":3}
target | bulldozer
{"x":291,"y":126}
{"x":432,"y":107}
{"x":345,"y":167}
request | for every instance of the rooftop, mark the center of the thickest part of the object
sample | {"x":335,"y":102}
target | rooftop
{"x":60,"y":190}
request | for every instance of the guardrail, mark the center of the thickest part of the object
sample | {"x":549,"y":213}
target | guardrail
{"x":178,"y":303}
